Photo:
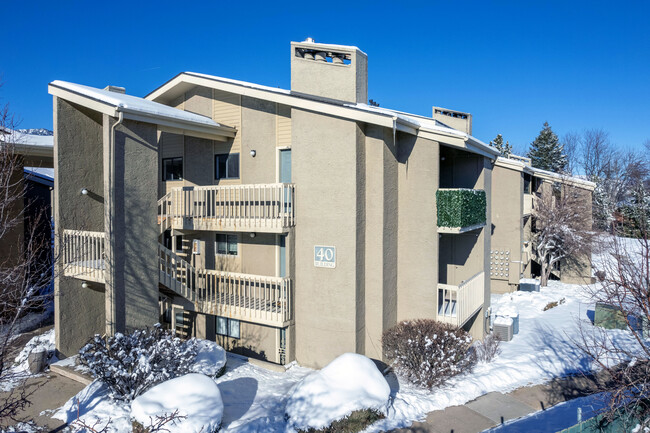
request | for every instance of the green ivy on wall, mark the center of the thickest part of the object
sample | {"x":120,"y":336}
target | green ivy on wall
{"x":460,"y":207}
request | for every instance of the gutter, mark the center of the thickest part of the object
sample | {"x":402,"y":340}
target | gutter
{"x":111,"y":325}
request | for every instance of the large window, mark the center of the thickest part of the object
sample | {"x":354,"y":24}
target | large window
{"x":227,"y":327}
{"x":172,"y":169}
{"x":227,"y":244}
{"x":226,"y":166}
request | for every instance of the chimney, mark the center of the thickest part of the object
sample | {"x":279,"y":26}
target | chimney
{"x":115,"y":89}
{"x":454,"y":119}
{"x":337,"y":72}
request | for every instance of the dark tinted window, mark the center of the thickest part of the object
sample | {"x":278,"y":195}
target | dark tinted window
{"x":172,"y":168}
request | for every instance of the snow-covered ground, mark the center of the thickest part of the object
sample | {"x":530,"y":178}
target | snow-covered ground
{"x":19,"y":370}
{"x":255,"y":399}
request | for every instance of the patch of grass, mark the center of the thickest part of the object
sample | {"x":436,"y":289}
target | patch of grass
{"x":554,"y":304}
{"x":355,"y":422}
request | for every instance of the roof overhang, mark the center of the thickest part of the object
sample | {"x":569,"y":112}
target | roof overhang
{"x":185,"y":81}
{"x":168,"y":124}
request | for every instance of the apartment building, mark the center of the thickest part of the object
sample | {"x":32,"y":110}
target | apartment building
{"x":285,"y":224}
{"x":516,"y":188}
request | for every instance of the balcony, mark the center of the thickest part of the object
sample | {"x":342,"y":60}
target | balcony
{"x":253,"y":298}
{"x":83,"y":255}
{"x":528,"y":204}
{"x":460,"y":210}
{"x":264,"y":208}
{"x":458,"y":304}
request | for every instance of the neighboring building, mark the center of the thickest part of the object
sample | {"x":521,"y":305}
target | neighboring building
{"x":34,"y":153}
{"x":515,"y":188}
{"x":285,"y":224}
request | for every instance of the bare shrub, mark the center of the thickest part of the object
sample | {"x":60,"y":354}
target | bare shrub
{"x":132,"y":364}
{"x":486,"y":350}
{"x":554,"y":304}
{"x":427,"y":353}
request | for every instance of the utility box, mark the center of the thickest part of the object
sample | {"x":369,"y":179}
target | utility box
{"x":502,"y":328}
{"x":529,"y":285}
{"x":609,"y":316}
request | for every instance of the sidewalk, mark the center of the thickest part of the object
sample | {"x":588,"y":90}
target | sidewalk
{"x":493,"y":409}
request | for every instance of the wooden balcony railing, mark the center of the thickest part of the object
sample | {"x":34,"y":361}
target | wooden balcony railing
{"x":83,"y":255}
{"x":260,"y":208}
{"x":253,"y":298}
{"x":458,"y":304}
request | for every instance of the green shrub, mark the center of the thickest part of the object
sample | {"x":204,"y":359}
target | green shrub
{"x":355,"y":422}
{"x":426,"y":352}
{"x":461,"y":207}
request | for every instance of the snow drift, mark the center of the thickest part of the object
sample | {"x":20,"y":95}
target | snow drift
{"x":349,"y":383}
{"x":195,"y":396}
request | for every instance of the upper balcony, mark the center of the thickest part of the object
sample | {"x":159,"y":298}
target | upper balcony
{"x":460,"y":210}
{"x":264,"y":208}
{"x":528,"y":204}
{"x":83,"y":255}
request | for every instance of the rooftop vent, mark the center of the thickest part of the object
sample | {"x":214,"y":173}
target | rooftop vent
{"x":454,"y":119}
{"x":310,"y":40}
{"x":116,"y":89}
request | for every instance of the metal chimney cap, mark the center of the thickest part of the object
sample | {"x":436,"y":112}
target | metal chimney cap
{"x":310,"y":40}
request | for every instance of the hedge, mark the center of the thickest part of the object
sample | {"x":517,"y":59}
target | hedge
{"x":460,"y":207}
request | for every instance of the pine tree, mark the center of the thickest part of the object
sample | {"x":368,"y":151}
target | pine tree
{"x":505,"y":149}
{"x":547,"y":153}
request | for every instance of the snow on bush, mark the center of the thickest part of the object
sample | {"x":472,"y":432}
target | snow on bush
{"x":350,"y":383}
{"x":426,"y":352}
{"x":195,"y":398}
{"x":131,"y":364}
{"x":210,"y":359}
{"x":486,"y":350}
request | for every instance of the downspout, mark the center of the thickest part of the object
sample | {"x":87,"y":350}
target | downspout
{"x":111,"y":321}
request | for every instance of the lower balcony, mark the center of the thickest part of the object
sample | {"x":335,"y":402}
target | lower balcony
{"x":83,"y":255}
{"x":264,"y":208}
{"x":253,"y":298}
{"x":460,"y":210}
{"x":458,"y":304}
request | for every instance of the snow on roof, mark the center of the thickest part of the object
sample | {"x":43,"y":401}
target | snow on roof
{"x":241,"y":83}
{"x":41,"y":171}
{"x":545,"y":173}
{"x":123,"y":102}
{"x":19,"y":137}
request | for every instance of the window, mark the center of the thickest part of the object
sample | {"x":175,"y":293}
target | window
{"x":172,"y":169}
{"x":227,"y":244}
{"x":226,"y":166}
{"x":227,"y":327}
{"x":170,"y":244}
{"x":179,"y":244}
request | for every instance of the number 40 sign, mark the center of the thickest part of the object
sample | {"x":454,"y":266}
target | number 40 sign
{"x":324,"y":257}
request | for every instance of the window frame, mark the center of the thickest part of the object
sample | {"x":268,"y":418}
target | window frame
{"x":226,"y":157}
{"x":164,"y":169}
{"x":230,"y":324}
{"x":228,"y":241}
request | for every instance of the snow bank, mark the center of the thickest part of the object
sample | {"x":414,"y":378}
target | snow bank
{"x":210,"y":358}
{"x":20,"y":370}
{"x":195,"y":396}
{"x":351,"y":382}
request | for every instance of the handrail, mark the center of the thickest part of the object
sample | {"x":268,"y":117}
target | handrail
{"x":217,"y":207}
{"x":83,"y":254}
{"x":457,"y":304}
{"x":248,"y":297}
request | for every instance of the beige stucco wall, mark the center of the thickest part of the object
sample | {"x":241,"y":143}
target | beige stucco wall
{"x":131,"y":250}
{"x":78,"y":141}
{"x":508,"y":230}
{"x":325,"y":152}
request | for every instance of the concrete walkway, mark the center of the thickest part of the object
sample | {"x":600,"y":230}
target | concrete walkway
{"x":493,"y":409}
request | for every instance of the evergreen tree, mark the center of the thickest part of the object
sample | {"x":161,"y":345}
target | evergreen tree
{"x":546,"y":152}
{"x":505,"y":149}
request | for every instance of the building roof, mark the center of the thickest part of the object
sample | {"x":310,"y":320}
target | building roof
{"x":520,"y":165}
{"x":136,"y":108}
{"x":38,"y":146}
{"x":40,"y":175}
{"x":398,"y":120}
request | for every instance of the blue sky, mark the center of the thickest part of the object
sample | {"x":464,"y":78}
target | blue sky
{"x":512,"y":64}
